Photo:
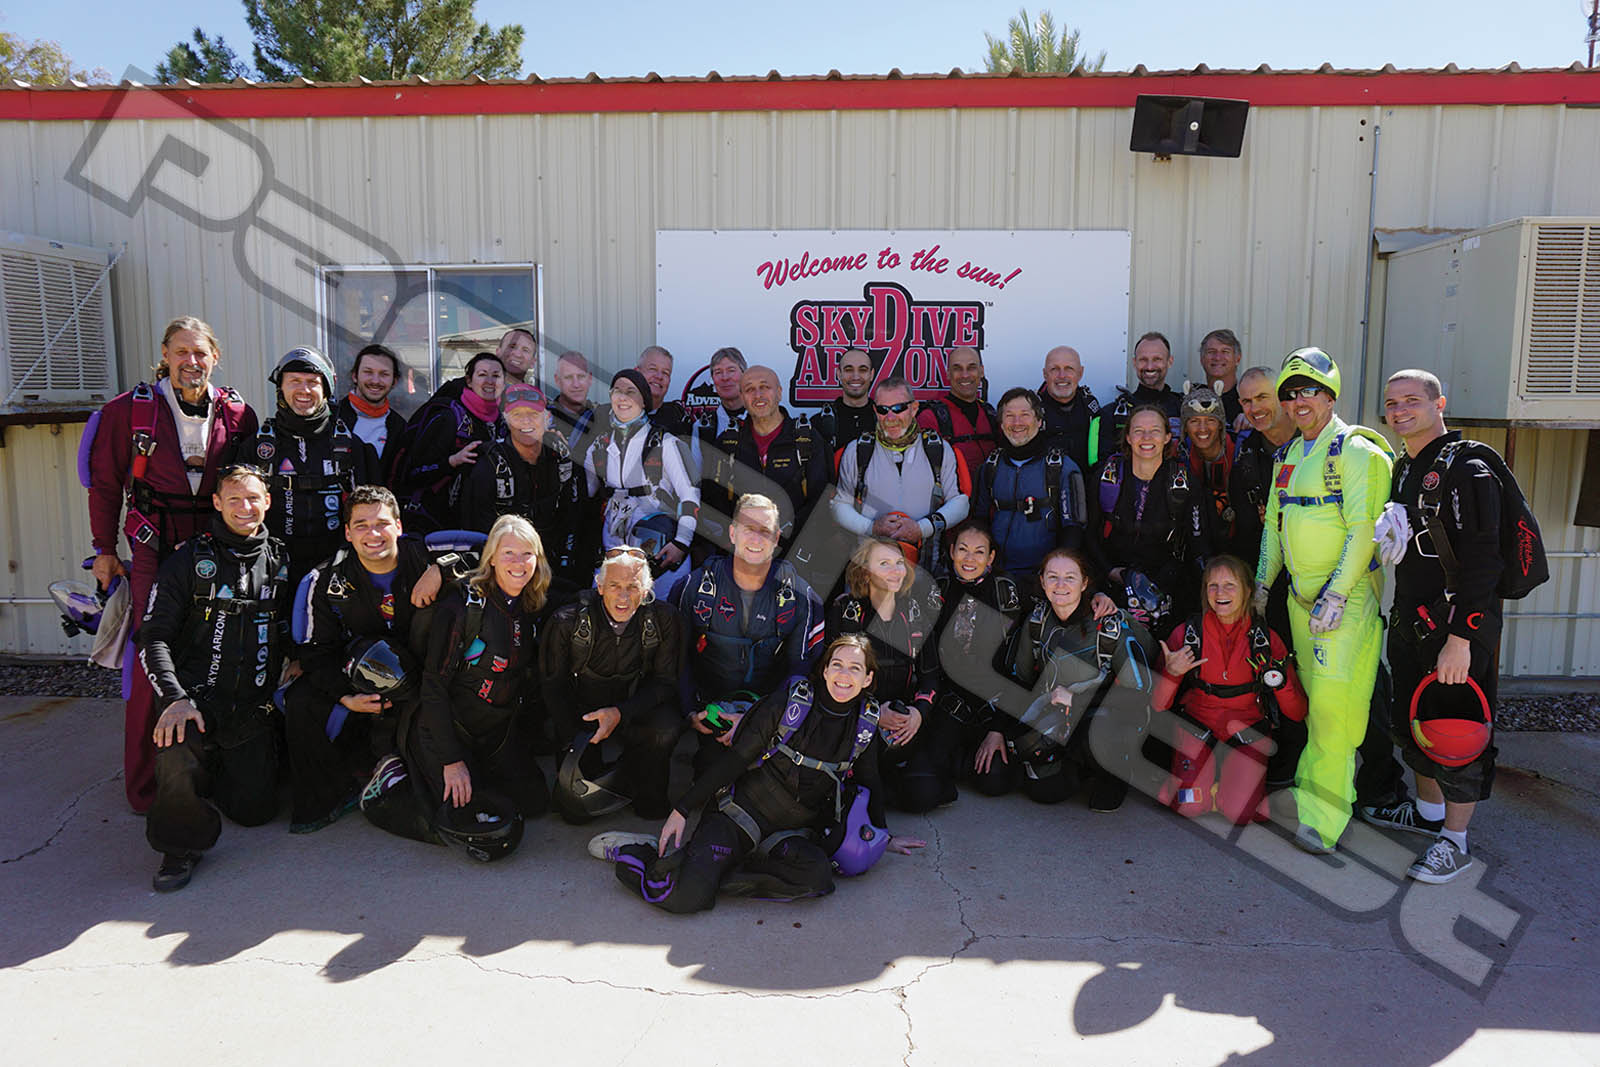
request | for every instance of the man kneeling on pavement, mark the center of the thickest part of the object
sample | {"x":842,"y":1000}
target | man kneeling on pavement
{"x":211,"y":643}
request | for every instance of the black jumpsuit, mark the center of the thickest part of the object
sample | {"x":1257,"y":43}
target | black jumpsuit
{"x":919,"y":775}
{"x":479,"y":702}
{"x":548,"y":493}
{"x":976,"y":620}
{"x":1045,"y":652}
{"x":346,"y":603}
{"x":777,"y":795}
{"x":1470,"y":513}
{"x":312,"y":463}
{"x":213,"y":634}
{"x":1156,"y":528}
{"x":622,"y":669}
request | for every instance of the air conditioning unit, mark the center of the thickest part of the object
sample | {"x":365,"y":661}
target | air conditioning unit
{"x":57,"y":345}
{"x":1508,"y":317}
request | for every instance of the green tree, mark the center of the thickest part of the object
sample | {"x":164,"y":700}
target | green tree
{"x":342,"y":40}
{"x":1035,"y":48}
{"x":38,"y":62}
{"x":206,"y":59}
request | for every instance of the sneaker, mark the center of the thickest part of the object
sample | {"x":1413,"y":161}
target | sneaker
{"x":1441,"y":862}
{"x":176,"y":870}
{"x":1307,"y":839}
{"x":343,"y":808}
{"x":1401,"y":816}
{"x":604,"y":846}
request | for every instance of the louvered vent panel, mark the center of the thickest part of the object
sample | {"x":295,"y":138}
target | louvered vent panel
{"x":49,"y":291}
{"x":1588,"y":354}
{"x":1557,"y":284}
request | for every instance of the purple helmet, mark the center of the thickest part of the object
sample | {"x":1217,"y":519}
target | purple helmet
{"x":864,"y":844}
{"x":81,"y":604}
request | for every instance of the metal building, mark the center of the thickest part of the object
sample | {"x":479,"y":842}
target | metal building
{"x":239,"y":202}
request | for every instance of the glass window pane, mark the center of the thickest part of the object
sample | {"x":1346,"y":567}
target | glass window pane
{"x":387,"y":306}
{"x":475,"y":307}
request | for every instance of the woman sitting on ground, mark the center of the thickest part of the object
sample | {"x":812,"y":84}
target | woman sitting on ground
{"x":471,"y":740}
{"x":1090,"y":681}
{"x":775,"y":828}
{"x":1226,"y":678}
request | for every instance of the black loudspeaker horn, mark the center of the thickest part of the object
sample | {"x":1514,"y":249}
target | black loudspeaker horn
{"x":1188,"y":126}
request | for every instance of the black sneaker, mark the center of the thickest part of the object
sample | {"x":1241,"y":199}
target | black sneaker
{"x":1401,"y":816}
{"x":176,"y":870}
{"x":340,"y":810}
{"x":1441,"y":862}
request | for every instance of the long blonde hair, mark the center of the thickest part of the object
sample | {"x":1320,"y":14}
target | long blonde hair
{"x":516,"y":526}
{"x":186,"y":322}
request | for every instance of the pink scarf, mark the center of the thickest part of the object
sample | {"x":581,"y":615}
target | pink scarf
{"x":485,"y":410}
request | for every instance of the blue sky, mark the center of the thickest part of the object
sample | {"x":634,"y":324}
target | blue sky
{"x":633,"y":36}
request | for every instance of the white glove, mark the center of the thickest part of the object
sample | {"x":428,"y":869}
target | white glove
{"x":1327,"y":613}
{"x":1392,"y":534}
{"x":1258,"y":603}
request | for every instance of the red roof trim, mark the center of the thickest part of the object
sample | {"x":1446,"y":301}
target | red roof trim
{"x":804,"y":94}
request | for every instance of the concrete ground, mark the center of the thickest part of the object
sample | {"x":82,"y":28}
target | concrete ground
{"x":1022,"y":933}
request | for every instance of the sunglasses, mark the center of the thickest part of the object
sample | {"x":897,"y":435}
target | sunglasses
{"x":1305,"y":392}
{"x":625,"y":550}
{"x":893,"y":409}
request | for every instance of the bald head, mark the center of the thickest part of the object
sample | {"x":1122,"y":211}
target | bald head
{"x":1062,"y":372}
{"x":759,"y":389}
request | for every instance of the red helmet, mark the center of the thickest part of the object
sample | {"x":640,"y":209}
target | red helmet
{"x":1450,"y":724}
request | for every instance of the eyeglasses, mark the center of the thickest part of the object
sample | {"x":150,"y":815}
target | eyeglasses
{"x":1305,"y":392}
{"x":893,"y":409}
{"x":625,"y":550}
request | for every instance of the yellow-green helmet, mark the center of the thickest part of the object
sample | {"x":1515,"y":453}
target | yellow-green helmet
{"x":1312,"y":363}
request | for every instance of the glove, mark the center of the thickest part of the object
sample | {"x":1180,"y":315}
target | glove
{"x":1392,"y":534}
{"x":1258,"y":603}
{"x":1327,"y":613}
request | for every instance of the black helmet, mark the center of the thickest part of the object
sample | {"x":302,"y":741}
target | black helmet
{"x":579,"y":798}
{"x":487,"y":827}
{"x":375,"y":666}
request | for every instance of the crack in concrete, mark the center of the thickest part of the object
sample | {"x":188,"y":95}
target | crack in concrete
{"x":905,"y":1013}
{"x":72,"y":810}
{"x":710,"y":993}
{"x":972,"y":938}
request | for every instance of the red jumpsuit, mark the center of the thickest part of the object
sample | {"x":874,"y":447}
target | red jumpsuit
{"x":1240,"y":792}
{"x":177,"y":512}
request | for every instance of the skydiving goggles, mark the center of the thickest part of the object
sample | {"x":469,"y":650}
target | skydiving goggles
{"x":1313,"y":357}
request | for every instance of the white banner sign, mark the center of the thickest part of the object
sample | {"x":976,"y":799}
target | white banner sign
{"x":798,"y":299}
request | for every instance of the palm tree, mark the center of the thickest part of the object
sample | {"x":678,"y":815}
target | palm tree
{"x":1036,"y":49}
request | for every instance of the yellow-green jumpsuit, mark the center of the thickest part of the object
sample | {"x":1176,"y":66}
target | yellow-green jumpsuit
{"x":1320,"y":528}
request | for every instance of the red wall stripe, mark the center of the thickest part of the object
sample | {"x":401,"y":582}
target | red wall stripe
{"x":813,"y":94}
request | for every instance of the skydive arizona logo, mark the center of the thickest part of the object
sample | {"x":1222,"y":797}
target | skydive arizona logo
{"x":903,"y":336}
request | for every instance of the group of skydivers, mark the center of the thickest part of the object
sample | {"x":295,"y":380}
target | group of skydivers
{"x":849,"y":612}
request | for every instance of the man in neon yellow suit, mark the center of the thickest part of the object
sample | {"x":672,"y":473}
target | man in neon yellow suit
{"x":1329,"y":485}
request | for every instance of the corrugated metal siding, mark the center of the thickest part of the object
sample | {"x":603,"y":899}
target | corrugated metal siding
{"x":1274,"y":244}
{"x":44,"y":534}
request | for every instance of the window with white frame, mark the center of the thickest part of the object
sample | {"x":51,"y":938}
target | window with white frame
{"x":435,"y":318}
